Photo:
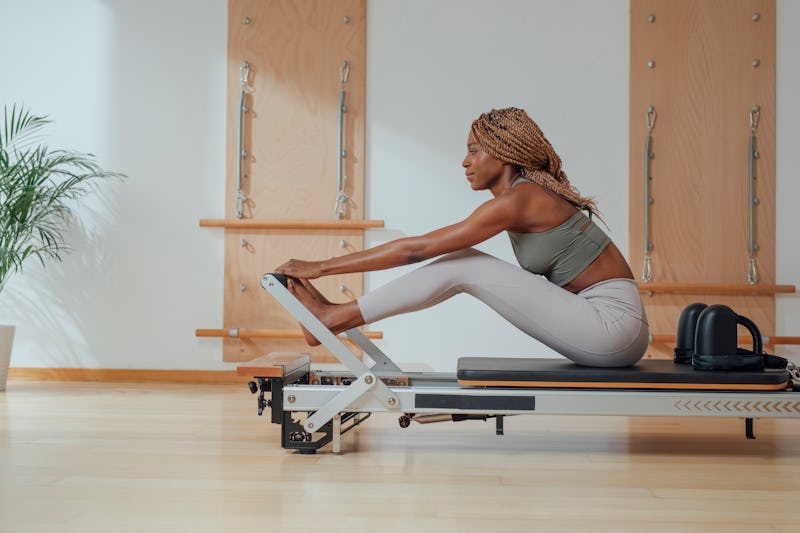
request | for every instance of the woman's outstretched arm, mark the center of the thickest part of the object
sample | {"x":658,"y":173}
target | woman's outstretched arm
{"x":486,"y":221}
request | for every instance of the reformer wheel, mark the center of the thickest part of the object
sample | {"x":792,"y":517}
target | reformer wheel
{"x":404,"y":421}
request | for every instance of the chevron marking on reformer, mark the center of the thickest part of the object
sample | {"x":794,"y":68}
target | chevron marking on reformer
{"x":738,"y":407}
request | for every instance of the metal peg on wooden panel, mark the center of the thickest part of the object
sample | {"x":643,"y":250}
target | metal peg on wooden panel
{"x":347,"y":246}
{"x":346,"y":291}
{"x":246,"y":20}
{"x":346,"y":19}
{"x":756,"y":16}
{"x":651,"y":19}
{"x":755,"y":63}
{"x":651,"y":64}
{"x":242,"y":287}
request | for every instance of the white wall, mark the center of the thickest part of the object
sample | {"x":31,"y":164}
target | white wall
{"x":787,"y":260}
{"x":142,"y":85}
{"x":432,"y":68}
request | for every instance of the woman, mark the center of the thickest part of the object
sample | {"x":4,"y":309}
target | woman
{"x":586,"y":307}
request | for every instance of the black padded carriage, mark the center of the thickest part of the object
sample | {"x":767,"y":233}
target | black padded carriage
{"x":646,"y":374}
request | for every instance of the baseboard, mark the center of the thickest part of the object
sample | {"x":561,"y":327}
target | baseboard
{"x":124,"y":375}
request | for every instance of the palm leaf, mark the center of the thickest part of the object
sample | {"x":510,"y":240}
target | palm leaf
{"x":36,"y":188}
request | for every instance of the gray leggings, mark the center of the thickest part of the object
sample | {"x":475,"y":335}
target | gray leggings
{"x":603,"y":325}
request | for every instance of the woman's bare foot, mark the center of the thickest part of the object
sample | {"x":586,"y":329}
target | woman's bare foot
{"x":308,"y":299}
{"x":336,"y":317}
{"x":314,"y":292}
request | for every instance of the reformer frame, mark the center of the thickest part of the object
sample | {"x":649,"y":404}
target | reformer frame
{"x":316,"y":406}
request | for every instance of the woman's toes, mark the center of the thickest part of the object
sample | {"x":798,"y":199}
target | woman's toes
{"x":307,"y":285}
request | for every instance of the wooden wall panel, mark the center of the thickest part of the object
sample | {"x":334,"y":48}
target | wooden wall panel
{"x":295,"y":49}
{"x":702,"y":85}
{"x":255,"y":308}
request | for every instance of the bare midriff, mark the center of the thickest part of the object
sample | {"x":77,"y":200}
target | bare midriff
{"x":610,"y":264}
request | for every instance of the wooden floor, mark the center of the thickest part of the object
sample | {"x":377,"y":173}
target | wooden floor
{"x":84,"y":457}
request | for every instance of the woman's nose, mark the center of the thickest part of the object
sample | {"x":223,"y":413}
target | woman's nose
{"x":465,"y":162}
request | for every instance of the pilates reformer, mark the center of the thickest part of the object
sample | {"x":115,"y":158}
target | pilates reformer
{"x":316,"y":406}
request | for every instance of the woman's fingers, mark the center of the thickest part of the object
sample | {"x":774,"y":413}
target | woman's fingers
{"x":299,"y":269}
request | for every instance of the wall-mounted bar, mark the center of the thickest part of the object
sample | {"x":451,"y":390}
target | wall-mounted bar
{"x":720,"y":289}
{"x":752,"y":200}
{"x":241,"y":153}
{"x":243,"y":333}
{"x":341,"y":197}
{"x":666,"y":338}
{"x":647,"y":268}
{"x":290,"y":224}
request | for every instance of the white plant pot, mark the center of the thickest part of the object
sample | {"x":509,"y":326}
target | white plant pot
{"x":6,"y":341}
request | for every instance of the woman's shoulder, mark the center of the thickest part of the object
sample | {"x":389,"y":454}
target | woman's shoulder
{"x":532,"y":195}
{"x":537,"y":208}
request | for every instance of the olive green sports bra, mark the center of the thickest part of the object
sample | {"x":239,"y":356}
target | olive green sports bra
{"x":560,"y":253}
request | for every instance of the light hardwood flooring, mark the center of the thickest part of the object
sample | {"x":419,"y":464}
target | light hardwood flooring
{"x":85,"y":457}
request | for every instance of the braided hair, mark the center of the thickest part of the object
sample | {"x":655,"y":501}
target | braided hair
{"x":511,"y":136}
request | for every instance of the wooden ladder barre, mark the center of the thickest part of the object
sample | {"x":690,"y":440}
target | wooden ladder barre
{"x":730,"y":289}
{"x":245,"y":333}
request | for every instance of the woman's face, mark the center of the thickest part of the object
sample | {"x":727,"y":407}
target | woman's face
{"x":482,"y":169}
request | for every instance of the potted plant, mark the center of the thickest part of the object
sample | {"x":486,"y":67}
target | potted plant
{"x":38,"y":187}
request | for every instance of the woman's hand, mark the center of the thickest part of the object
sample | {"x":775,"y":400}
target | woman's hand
{"x":296,"y":268}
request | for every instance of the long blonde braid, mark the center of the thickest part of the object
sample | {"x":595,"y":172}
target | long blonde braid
{"x":512,"y":136}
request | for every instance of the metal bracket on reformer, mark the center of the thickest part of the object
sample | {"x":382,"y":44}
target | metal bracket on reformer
{"x":367,"y":379}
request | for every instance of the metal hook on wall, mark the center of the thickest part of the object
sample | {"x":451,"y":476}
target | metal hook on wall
{"x":341,"y":197}
{"x":241,"y":197}
{"x":752,"y":246}
{"x":647,"y":267}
